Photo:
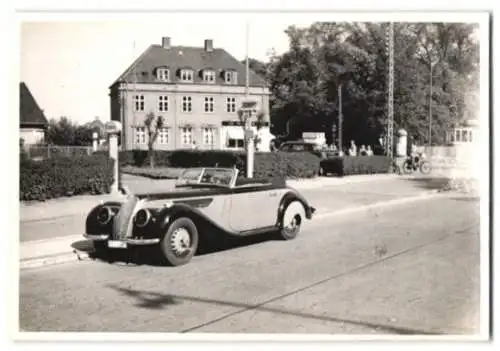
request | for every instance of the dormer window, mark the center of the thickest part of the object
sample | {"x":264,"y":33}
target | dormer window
{"x":187,"y":75}
{"x":230,"y":77}
{"x":209,"y":76}
{"x":163,"y":74}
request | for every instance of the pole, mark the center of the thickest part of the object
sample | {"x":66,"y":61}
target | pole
{"x":340,"y":118}
{"x":390,"y":97}
{"x":430,"y":106}
{"x":248,"y":125}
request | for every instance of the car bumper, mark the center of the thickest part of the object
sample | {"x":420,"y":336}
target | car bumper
{"x":129,"y":241}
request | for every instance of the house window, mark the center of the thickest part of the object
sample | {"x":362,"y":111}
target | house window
{"x":209,"y":76}
{"x":208,"y":136}
{"x":231,"y":104}
{"x":163,"y":136}
{"x":139,"y":102}
{"x":163,"y":74}
{"x":465,"y":134}
{"x":235,"y":143}
{"x":187,"y":105}
{"x":163,"y":103}
{"x":187,"y":75}
{"x":209,"y":104}
{"x":187,"y":136}
{"x":230,"y":77}
{"x":140,"y":135}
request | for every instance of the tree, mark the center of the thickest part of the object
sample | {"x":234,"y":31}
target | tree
{"x":61,"y":132}
{"x":304,"y":80}
{"x":153,"y":126}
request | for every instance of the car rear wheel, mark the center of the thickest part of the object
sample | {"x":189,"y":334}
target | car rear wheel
{"x":180,"y":242}
{"x":292,"y":220}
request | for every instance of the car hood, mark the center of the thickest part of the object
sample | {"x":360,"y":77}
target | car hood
{"x":182,"y":193}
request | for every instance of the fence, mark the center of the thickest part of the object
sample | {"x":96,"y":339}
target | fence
{"x":41,"y":152}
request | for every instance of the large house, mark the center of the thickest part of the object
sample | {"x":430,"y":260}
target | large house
{"x":32,"y":121}
{"x":197,"y":90}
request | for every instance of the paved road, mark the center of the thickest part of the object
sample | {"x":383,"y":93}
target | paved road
{"x":334,"y":198}
{"x":407,"y":269}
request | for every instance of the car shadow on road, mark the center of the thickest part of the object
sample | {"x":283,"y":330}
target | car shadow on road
{"x":150,"y":255}
{"x":154,"y":300}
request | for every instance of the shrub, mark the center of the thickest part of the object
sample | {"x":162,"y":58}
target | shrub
{"x":205,"y":158}
{"x":65,"y":176}
{"x":349,"y":165}
{"x":284,"y":165}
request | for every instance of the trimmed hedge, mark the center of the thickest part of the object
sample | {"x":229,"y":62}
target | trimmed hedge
{"x":267,"y":164}
{"x":284,"y":164}
{"x":65,"y":176}
{"x":350,"y":165}
{"x":206,"y":158}
{"x":153,"y":173}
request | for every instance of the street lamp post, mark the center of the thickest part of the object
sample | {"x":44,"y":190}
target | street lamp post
{"x":432,"y":65}
{"x":340,"y":118}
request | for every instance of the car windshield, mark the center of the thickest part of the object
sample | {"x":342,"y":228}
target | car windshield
{"x":206,"y":176}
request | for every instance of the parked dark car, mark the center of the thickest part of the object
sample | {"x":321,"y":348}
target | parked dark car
{"x":298,"y":146}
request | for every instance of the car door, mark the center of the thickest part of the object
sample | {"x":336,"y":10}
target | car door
{"x":254,"y":210}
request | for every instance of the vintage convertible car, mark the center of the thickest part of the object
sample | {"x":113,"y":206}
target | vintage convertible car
{"x":205,"y":201}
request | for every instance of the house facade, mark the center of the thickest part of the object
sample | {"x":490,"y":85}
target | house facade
{"x":198,"y":92}
{"x":32,"y":121}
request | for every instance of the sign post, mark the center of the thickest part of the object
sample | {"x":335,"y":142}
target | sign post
{"x":247,"y":107}
{"x":94,"y":141}
{"x":113,"y":128}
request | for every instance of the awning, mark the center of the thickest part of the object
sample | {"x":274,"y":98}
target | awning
{"x":235,"y":133}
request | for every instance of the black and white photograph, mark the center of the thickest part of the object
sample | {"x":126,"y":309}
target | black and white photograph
{"x":323,"y":175}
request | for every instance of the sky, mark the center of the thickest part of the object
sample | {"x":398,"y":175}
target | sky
{"x":69,"y":61}
{"x":68,"y":66}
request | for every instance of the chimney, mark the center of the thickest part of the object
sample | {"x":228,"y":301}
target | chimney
{"x":209,"y":45}
{"x":165,"y":42}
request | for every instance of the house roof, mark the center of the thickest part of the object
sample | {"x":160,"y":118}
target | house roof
{"x":29,"y":111}
{"x":178,"y":57}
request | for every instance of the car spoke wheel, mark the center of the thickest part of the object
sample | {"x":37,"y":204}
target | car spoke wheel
{"x":180,"y":242}
{"x":292,"y":220}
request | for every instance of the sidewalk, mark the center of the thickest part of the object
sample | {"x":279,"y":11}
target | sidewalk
{"x":80,"y":205}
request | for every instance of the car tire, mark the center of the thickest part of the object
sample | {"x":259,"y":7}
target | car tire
{"x":292,"y":219}
{"x":181,"y":232}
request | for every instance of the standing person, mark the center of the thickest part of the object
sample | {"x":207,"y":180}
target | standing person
{"x":353,"y":149}
{"x":369,"y":151}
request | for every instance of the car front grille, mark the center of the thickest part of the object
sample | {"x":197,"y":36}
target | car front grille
{"x":123,"y":220}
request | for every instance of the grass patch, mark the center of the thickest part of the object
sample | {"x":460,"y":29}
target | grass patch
{"x":153,"y":173}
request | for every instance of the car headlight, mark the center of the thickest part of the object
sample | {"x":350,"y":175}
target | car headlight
{"x":142,"y":217}
{"x":104,"y":215}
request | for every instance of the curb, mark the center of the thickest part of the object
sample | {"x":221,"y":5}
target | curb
{"x":82,"y":255}
{"x":53,"y":260}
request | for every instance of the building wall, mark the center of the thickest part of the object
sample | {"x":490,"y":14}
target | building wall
{"x":32,"y":135}
{"x":175,"y":118}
